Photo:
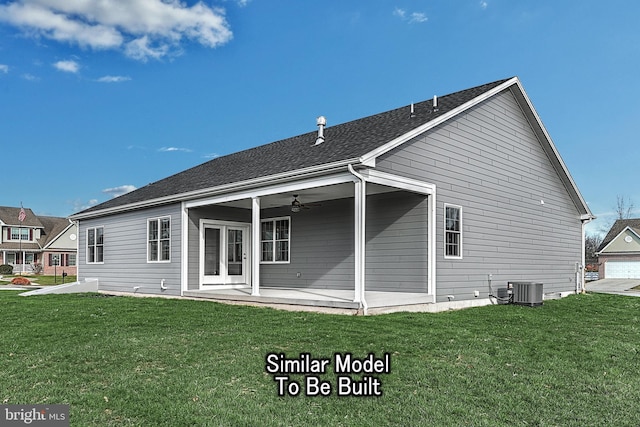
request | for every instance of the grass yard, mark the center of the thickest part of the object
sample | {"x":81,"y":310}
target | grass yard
{"x":122,"y":361}
{"x":40,"y":279}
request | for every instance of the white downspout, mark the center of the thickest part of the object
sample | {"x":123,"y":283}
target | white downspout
{"x":255,"y":246}
{"x":580,"y":287}
{"x":360,"y":224}
{"x":184,"y":244}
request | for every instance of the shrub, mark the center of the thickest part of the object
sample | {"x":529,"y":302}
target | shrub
{"x":6,"y":269}
{"x":20,"y":281}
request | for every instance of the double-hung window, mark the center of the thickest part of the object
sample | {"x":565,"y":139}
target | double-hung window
{"x":20,"y":233}
{"x":159,"y":239}
{"x":275,"y":238}
{"x":452,"y":231}
{"x":95,"y":245}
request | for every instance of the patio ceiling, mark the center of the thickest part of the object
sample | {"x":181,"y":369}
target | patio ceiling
{"x":310,"y":195}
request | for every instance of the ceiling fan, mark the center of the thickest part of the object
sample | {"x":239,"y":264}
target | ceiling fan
{"x":296,"y":206}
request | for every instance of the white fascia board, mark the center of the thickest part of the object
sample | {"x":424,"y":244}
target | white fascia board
{"x":616,"y":238}
{"x":52,"y":241}
{"x":222,"y":189}
{"x":372,"y":155}
{"x":396,"y":181}
{"x":547,"y":139}
{"x":286,"y":187}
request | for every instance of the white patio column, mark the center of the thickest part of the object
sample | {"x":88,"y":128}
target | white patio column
{"x":255,"y":246}
{"x":360,"y":196}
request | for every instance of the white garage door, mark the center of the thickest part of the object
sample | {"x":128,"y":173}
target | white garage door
{"x":622,"y":270}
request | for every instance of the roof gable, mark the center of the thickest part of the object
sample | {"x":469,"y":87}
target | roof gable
{"x":54,"y":227}
{"x":617,"y":230}
{"x":357,"y":141}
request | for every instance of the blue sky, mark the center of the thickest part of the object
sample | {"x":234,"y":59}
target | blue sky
{"x":100,"y":97}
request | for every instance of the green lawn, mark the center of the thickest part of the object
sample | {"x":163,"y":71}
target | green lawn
{"x":40,"y":279}
{"x":120,"y":361}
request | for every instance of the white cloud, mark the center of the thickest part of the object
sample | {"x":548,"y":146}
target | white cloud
{"x":171,"y":149}
{"x":80,"y":205}
{"x":31,"y":77}
{"x":412,"y":18}
{"x":417,"y":17}
{"x":119,"y":191}
{"x":4,"y":68}
{"x":113,"y":79}
{"x":211,"y":156}
{"x":142,"y":29}
{"x":142,"y":50}
{"x":484,"y":4}
{"x":67,"y":66}
{"x":401,"y":13}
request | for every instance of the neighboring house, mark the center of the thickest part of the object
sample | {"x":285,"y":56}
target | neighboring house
{"x":619,"y":252}
{"x":443,"y":201}
{"x":37,"y":244}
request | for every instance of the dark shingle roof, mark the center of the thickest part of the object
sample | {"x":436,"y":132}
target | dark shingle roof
{"x":617,"y":228}
{"x":9,"y":216}
{"x":345,"y":141}
{"x":53,"y":226}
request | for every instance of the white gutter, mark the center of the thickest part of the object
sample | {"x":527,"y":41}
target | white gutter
{"x":361,"y":239}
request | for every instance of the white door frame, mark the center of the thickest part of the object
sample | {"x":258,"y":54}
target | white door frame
{"x":224,"y":280}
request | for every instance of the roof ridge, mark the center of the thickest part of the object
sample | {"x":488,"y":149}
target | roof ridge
{"x":343,"y":142}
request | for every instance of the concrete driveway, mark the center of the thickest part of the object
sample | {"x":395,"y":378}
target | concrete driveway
{"x":615,"y":286}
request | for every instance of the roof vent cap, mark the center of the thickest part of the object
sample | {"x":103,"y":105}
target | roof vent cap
{"x":321,"y":122}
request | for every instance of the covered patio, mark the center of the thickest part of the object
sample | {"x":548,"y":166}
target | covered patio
{"x":308,"y":278}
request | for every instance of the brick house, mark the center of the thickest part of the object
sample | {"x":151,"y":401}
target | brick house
{"x":38,"y":243}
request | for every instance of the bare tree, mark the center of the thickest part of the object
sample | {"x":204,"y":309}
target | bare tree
{"x":624,"y":207}
{"x":624,"y":210}
{"x":591,"y":243}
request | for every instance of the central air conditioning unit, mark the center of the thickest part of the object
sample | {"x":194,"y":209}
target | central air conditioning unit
{"x":526,"y":293}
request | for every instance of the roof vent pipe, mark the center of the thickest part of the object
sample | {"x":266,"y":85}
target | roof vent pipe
{"x":321,"y":122}
{"x":413,"y":114}
{"x":435,"y":103}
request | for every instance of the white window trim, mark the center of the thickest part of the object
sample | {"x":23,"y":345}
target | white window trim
{"x":158,"y":219}
{"x":20,"y":232}
{"x":87,"y":246}
{"x":288,"y":261}
{"x":444,"y":227}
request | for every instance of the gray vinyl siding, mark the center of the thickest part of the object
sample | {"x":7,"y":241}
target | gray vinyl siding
{"x":322,"y":244}
{"x":396,"y":239}
{"x":220,"y":213}
{"x":125,"y":253}
{"x":489,"y":162}
{"x":321,"y":248}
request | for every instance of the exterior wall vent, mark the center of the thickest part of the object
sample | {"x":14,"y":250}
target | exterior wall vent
{"x":526,"y":293}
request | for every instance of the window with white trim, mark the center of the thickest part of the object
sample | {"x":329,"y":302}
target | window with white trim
{"x":159,"y":239}
{"x":275,"y":237}
{"x":452,"y":231}
{"x":95,"y":245}
{"x":19,"y":233}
